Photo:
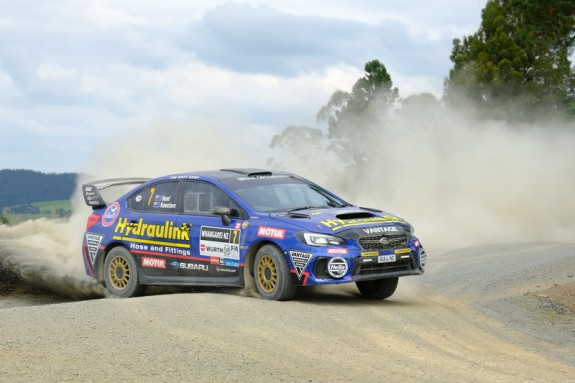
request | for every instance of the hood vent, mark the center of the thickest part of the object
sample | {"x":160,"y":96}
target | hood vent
{"x":294,"y":215}
{"x":355,"y":215}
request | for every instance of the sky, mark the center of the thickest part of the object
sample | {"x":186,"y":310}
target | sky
{"x":79,"y":76}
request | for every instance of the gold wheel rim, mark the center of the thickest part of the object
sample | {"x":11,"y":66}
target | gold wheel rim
{"x":119,"y":272}
{"x":267,"y":273}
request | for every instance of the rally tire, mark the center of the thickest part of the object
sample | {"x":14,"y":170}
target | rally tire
{"x":272,"y":275}
{"x":121,"y":274}
{"x":377,"y":289}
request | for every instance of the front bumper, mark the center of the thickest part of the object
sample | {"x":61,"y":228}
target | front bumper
{"x":364,"y":268}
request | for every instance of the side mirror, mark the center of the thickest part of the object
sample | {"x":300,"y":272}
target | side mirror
{"x":224,"y":212}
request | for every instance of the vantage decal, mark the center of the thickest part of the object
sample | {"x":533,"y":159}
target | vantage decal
{"x":381,"y":230}
{"x":93,"y":242}
{"x":300,"y":261}
{"x":336,"y":224}
{"x":152,"y":231}
{"x":219,"y":242}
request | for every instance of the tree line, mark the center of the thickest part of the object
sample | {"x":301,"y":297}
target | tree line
{"x":19,"y":187}
{"x":515,"y":68}
{"x":517,"y":65}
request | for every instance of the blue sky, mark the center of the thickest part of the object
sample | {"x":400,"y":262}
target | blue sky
{"x":77,"y":76}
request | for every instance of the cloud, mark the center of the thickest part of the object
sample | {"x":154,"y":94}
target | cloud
{"x":103,"y":15}
{"x":74,"y":74}
{"x":262,"y":39}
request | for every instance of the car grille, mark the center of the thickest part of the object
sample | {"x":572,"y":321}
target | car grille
{"x":391,"y":241}
{"x":378,"y":268}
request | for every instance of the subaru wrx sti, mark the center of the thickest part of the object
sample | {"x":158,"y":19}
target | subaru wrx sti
{"x":206,"y":228}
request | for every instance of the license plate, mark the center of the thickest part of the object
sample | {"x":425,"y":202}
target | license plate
{"x":386,"y":258}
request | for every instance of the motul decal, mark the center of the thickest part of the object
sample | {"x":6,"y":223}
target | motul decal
{"x":155,"y":263}
{"x":336,"y":251}
{"x":271,"y":232}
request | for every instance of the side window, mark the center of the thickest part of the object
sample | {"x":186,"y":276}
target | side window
{"x":157,"y":198}
{"x":201,"y":197}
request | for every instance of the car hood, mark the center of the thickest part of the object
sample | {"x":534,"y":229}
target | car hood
{"x":335,"y":220}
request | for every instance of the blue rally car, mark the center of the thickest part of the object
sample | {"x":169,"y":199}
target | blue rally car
{"x":205,"y":228}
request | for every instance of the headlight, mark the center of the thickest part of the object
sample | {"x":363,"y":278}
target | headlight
{"x":315,"y":239}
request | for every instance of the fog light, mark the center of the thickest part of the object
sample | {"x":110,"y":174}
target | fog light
{"x":337,"y":267}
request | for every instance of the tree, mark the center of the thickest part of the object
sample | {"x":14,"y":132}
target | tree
{"x":19,"y":186}
{"x":302,"y":142}
{"x":419,"y":110}
{"x":353,"y":118}
{"x":3,"y":220}
{"x":517,"y":64}
{"x":362,"y":110}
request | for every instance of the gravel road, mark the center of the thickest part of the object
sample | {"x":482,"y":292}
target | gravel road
{"x":486,"y":314}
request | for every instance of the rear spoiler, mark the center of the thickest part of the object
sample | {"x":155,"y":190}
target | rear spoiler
{"x":91,"y":191}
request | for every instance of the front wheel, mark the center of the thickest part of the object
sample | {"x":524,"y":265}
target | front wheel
{"x":121,"y":274}
{"x":378,"y":289}
{"x":272,"y":275}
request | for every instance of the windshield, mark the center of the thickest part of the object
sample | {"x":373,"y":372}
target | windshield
{"x":283,"y":194}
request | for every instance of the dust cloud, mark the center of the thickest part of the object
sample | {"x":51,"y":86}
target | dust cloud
{"x":168,"y":147}
{"x":458,"y":181}
{"x":47,"y":255}
{"x":466,"y":183}
{"x":463,"y":182}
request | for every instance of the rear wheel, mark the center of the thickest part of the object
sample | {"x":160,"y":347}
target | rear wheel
{"x":121,"y":274}
{"x":272,"y":275}
{"x":378,"y":289}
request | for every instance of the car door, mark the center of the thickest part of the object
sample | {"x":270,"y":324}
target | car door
{"x":215,"y":246}
{"x":150,"y":229}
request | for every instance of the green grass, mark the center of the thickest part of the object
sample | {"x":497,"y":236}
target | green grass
{"x":48,"y":209}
